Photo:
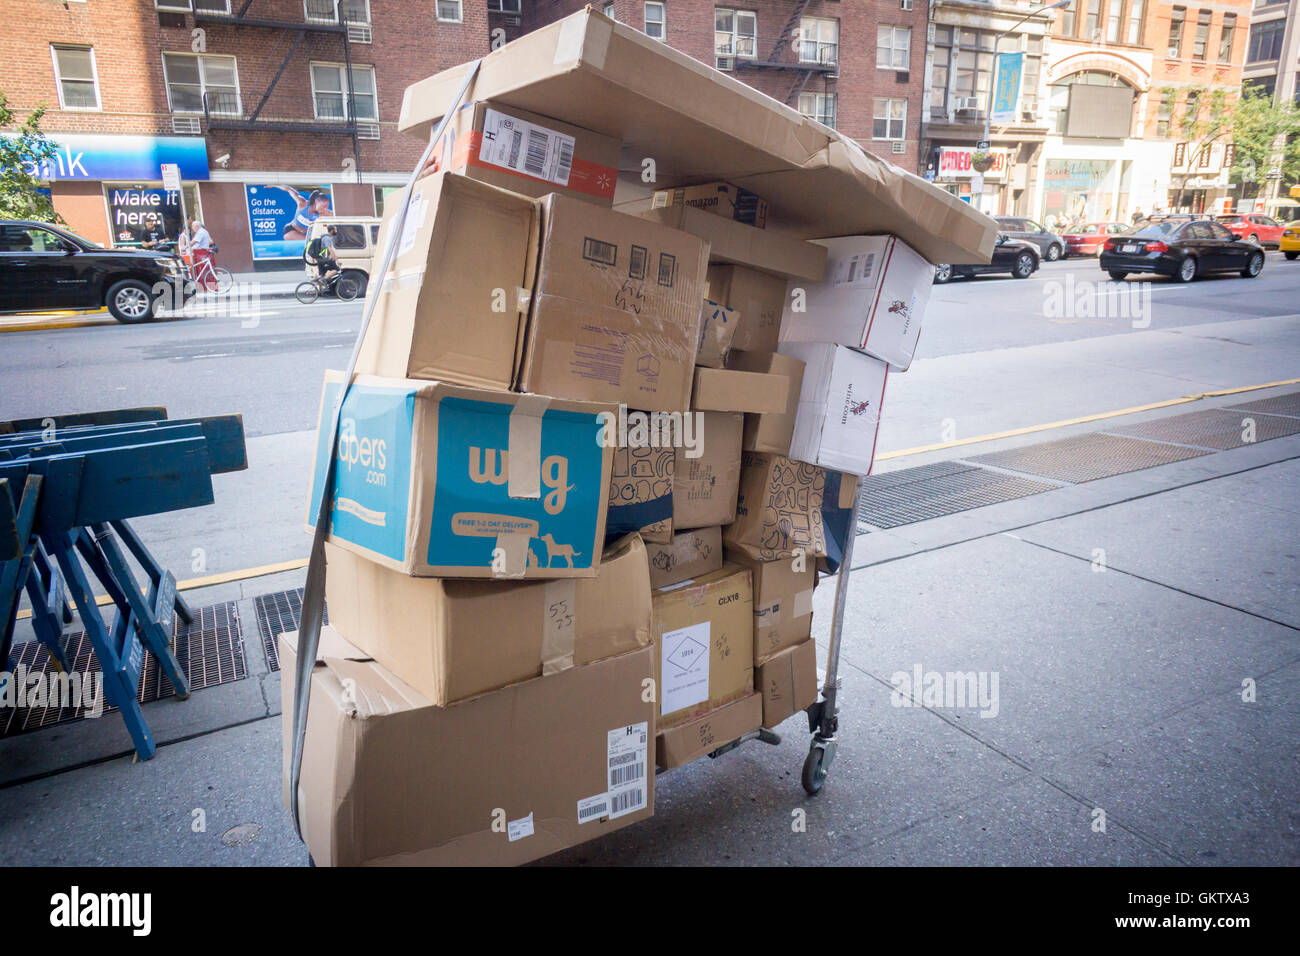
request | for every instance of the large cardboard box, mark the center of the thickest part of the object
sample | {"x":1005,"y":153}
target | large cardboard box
{"x":452,"y":639}
{"x":873,"y":298}
{"x":616,"y":309}
{"x":695,"y":738}
{"x":782,"y":601}
{"x":390,"y":779}
{"x":730,"y":390}
{"x":454,"y":304}
{"x":840,"y":404}
{"x":721,"y":199}
{"x":641,"y":491}
{"x":704,"y":487}
{"x":771,"y":431}
{"x":440,"y":480}
{"x":717,"y":328}
{"x":704,"y":643}
{"x":528,"y":153}
{"x":769,"y":250}
{"x":779,"y":509}
{"x":689,"y":554}
{"x":759,"y":297}
{"x":788,"y":683}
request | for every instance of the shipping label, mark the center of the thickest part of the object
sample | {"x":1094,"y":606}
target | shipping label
{"x":524,"y":147}
{"x":684,"y":667}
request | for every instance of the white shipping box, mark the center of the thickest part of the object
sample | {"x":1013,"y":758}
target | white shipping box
{"x":873,"y":297}
{"x":839,"y":410}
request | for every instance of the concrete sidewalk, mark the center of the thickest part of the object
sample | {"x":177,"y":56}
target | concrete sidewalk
{"x":1121,"y":619}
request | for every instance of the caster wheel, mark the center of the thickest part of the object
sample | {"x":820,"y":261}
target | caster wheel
{"x":814,"y":771}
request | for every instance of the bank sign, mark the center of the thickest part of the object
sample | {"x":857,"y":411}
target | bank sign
{"x":129,"y":158}
{"x":955,"y":163}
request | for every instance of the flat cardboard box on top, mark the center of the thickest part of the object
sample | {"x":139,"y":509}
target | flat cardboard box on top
{"x":769,"y":250}
{"x":616,"y":309}
{"x":689,"y":554}
{"x":840,"y":403}
{"x":453,"y":639}
{"x":704,"y":488}
{"x":704,"y":643}
{"x":440,"y":480}
{"x":759,"y":297}
{"x":771,"y":431}
{"x":390,"y":779}
{"x":454,"y":305}
{"x":680,"y":745}
{"x":788,"y":682}
{"x":782,"y":601}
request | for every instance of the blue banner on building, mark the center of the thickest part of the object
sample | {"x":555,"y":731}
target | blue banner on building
{"x":126,"y":158}
{"x":279,"y":217}
{"x":1006,"y":86}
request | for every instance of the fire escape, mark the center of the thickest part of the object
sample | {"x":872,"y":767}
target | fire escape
{"x":223,"y":111}
{"x":809,"y":57}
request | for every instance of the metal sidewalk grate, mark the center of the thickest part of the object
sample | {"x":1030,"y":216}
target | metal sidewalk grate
{"x":277,"y":613}
{"x":1218,"y":428}
{"x":1288,"y":404}
{"x":932,"y":491}
{"x":211,"y":650}
{"x":1088,"y":457}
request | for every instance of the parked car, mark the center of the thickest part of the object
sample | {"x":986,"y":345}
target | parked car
{"x":1253,"y":228}
{"x":355,"y":246}
{"x":1181,"y":249}
{"x":1009,"y":255}
{"x":45,"y":267}
{"x":1050,"y":245}
{"x":1290,"y":241}
{"x":1087,"y":239}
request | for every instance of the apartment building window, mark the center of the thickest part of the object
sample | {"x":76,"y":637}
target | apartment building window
{"x":1114,"y":20}
{"x":656,"y":21}
{"x":1068,"y":19}
{"x":212,"y":6}
{"x":1135,"y":21}
{"x":1201,"y":40}
{"x":939,"y":70}
{"x":322,"y":11}
{"x":735,"y":34}
{"x":889,"y":119}
{"x":1092,"y":20}
{"x":819,"y":40}
{"x":449,"y":11}
{"x":191,"y":78}
{"x":329,"y":92}
{"x":1165,"y":114}
{"x":76,"y":77}
{"x":609,"y":11}
{"x":1176,"y":19}
{"x":1265,"y":41}
{"x":1226,"y":35}
{"x":1192,"y":107}
{"x":893,"y":48}
{"x":819,"y":107}
{"x":506,"y":6}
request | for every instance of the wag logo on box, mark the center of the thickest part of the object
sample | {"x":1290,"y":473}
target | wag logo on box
{"x":373,"y":474}
{"x":474,"y":513}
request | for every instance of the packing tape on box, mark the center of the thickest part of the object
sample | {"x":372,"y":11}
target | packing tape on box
{"x":523,"y":299}
{"x":524,"y":473}
{"x":559,"y":625}
{"x":403,"y":280}
{"x":514,"y":548}
{"x":803,"y":602}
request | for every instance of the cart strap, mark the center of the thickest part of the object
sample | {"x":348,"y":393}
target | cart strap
{"x":313,"y":598}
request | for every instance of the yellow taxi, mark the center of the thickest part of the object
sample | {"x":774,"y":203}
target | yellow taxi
{"x":1290,"y":241}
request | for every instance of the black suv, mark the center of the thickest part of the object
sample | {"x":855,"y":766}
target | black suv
{"x":44,"y":267}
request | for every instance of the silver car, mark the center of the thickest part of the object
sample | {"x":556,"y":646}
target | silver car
{"x":1051,"y":245}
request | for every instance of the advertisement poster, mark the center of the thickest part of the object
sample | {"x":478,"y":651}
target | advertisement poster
{"x":279,"y":217}
{"x":1006,"y":88}
{"x":131,"y":211}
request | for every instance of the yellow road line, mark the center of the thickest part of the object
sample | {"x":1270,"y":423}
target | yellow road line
{"x":1030,"y":429}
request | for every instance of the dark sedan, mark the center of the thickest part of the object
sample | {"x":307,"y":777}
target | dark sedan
{"x":1180,"y":249}
{"x":1009,"y":255}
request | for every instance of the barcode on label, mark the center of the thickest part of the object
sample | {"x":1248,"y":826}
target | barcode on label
{"x":593,"y":808}
{"x":620,"y":759}
{"x":621,"y":775}
{"x":626,"y":800}
{"x":605,"y":253}
{"x":538,"y":145}
{"x":566,"y":162}
{"x":516,"y":141}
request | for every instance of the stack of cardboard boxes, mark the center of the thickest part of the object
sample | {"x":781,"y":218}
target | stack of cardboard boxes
{"x":587,"y":470}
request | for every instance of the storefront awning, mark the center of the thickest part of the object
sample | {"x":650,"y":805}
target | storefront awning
{"x":129,"y":158}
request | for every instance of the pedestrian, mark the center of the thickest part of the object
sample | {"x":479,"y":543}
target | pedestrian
{"x":1137,"y":215}
{"x":201,"y":248}
{"x":153,"y":235}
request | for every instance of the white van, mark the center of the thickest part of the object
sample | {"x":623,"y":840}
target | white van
{"x":355,"y":241}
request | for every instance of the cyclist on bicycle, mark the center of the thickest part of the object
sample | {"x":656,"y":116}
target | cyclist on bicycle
{"x":320,"y":251}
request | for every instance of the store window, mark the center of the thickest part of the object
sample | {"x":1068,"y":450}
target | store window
{"x":819,"y":107}
{"x":449,"y":11}
{"x":656,"y":21}
{"x":1265,"y":41}
{"x":1226,"y":34}
{"x":76,"y":77}
{"x":330,"y":92}
{"x":134,"y":207}
{"x":819,"y":40}
{"x":193,"y":80}
{"x":893,"y":48}
{"x":1176,"y":20}
{"x":735,"y":35}
{"x":889,"y":119}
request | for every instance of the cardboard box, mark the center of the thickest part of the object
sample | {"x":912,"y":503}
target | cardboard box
{"x":769,"y":250}
{"x":452,"y":639}
{"x":528,"y":153}
{"x":839,"y":517}
{"x":782,"y":602}
{"x":689,"y":554}
{"x":779,"y":508}
{"x":873,"y":298}
{"x":771,"y":431}
{"x":505,"y":778}
{"x":729,"y":390}
{"x":717,"y":327}
{"x":759,"y":297}
{"x":641,"y":491}
{"x":440,"y":480}
{"x":704,"y":643}
{"x":788,"y":683}
{"x":706,"y":733}
{"x":454,"y":305}
{"x":721,"y":199}
{"x":840,"y":404}
{"x":616,"y":310}
{"x":704,"y":488}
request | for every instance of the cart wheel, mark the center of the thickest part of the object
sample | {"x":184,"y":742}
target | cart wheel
{"x":814,"y":770}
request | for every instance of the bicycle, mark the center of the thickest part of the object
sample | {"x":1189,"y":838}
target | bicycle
{"x":343,"y":287}
{"x":200,"y":274}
